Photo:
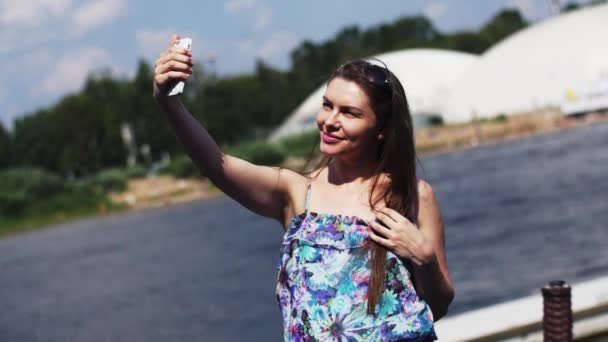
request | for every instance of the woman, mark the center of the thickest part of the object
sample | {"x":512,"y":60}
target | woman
{"x":363,"y":256}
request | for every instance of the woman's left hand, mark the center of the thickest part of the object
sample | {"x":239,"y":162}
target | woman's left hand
{"x":402,"y":237}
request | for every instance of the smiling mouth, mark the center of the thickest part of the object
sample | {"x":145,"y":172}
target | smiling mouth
{"x":328,"y":138}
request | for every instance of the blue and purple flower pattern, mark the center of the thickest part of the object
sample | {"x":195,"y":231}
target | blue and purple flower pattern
{"x":323,"y":280}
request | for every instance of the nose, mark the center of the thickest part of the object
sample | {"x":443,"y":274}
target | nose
{"x":332,"y":119}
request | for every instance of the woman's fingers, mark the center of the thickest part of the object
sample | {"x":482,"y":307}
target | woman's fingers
{"x":172,"y":63}
{"x":174,"y":56}
{"x":378,"y":227}
{"x":382,"y":241}
{"x":174,"y":39}
{"x":160,"y":79}
{"x":393,"y":214}
{"x":172,"y":66}
{"x":387,"y":220}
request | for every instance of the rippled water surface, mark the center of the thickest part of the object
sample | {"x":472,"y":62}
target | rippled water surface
{"x":516,"y":214}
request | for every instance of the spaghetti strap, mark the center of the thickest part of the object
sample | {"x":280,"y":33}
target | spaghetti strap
{"x":308,"y":191}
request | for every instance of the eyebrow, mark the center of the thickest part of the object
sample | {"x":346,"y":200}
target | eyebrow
{"x":345,"y":107}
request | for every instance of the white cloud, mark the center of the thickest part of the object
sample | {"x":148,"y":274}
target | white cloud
{"x":277,"y":44}
{"x":26,"y":25}
{"x":19,"y":76}
{"x":151,"y":43}
{"x":69,"y":71}
{"x":260,"y":12}
{"x":17,"y":39}
{"x":263,"y":18}
{"x":272,"y":47}
{"x":97,"y":13}
{"x":435,"y":10}
{"x":234,"y":6}
{"x":31,"y":12}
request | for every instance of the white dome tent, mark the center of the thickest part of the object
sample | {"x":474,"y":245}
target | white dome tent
{"x":560,"y":62}
{"x":427,"y":75}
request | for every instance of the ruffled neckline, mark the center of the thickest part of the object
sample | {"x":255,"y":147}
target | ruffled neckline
{"x":333,"y":218}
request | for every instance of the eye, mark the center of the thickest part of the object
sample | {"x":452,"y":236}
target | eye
{"x":326,"y":105}
{"x":350,"y":113}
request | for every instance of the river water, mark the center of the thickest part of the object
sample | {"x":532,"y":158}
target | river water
{"x":516,"y":215}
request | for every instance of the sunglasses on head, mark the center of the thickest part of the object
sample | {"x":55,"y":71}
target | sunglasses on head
{"x":374,"y":74}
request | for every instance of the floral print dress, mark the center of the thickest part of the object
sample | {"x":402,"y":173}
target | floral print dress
{"x":323,"y":279}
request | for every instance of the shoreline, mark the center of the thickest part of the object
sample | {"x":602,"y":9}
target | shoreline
{"x":164,"y":191}
{"x":453,"y":138}
{"x":440,"y":140}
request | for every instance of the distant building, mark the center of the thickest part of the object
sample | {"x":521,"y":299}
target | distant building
{"x":427,"y":75}
{"x":561,"y":62}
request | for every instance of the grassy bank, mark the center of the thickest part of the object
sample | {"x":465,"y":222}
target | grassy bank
{"x":12,"y":226}
{"x":32,"y":197}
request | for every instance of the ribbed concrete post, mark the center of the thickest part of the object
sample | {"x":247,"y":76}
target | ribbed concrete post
{"x":557,"y":314}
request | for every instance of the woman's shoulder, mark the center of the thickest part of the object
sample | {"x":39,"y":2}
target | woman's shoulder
{"x":317,"y":176}
{"x":292,"y":179}
{"x":425,"y":191}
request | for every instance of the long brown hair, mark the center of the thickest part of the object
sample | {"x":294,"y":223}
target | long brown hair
{"x":396,"y":159}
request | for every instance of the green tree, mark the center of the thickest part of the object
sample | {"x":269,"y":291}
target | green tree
{"x":502,"y":25}
{"x":5,"y":147}
{"x":470,"y":42}
{"x":570,"y":6}
{"x":140,"y":111}
{"x":79,"y":135}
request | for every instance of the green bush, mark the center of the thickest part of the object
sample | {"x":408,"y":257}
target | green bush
{"x":19,"y":187}
{"x":77,"y":195}
{"x":180,"y":167}
{"x":32,"y":181}
{"x":435,"y":121}
{"x":20,"y":210}
{"x":258,"y":152}
{"x":136,"y":171}
{"x":12,"y":203}
{"x":32,"y":191}
{"x":113,"y":179}
{"x":500,"y":118}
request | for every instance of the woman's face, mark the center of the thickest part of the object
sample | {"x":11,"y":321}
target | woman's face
{"x":347,"y":123}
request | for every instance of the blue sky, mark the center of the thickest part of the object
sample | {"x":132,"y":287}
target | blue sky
{"x":49,"y":46}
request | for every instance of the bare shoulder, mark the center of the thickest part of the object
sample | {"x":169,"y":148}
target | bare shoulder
{"x":288,"y":175}
{"x":426,"y":195}
{"x":429,"y":213}
{"x":292,"y":182}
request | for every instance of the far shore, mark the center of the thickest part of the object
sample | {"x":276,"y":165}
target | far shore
{"x":166,"y":190}
{"x":163,"y":191}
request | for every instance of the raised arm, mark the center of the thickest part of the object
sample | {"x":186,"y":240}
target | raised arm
{"x":264,"y":190}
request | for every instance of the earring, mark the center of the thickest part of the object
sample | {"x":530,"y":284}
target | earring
{"x":380,"y":136}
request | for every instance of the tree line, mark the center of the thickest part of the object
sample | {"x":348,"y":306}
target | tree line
{"x":81,"y":134}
